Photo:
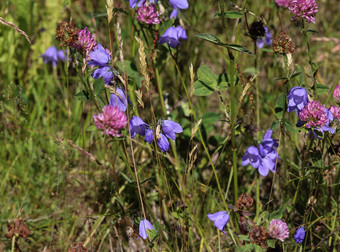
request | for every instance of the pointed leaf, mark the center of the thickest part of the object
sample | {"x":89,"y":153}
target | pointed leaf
{"x":238,"y":48}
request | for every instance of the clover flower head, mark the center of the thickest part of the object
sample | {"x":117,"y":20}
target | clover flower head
{"x":306,"y":9}
{"x":148,"y":14}
{"x":314,"y":115}
{"x":283,"y":3}
{"x":86,"y":41}
{"x":52,"y":54}
{"x":220,"y":219}
{"x":278,"y":229}
{"x":144,"y":225}
{"x":111,"y":121}
{"x":265,"y":40}
{"x":172,"y":36}
{"x":297,"y":99}
{"x":299,"y":235}
{"x":335,"y":111}
{"x":264,"y":156}
{"x":336,"y":93}
{"x":177,"y":5}
{"x":118,"y":98}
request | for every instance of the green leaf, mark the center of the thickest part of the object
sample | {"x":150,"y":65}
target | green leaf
{"x":320,"y":88}
{"x":223,"y":81}
{"x":91,"y":128}
{"x":130,"y":68}
{"x":289,"y":126}
{"x":206,"y":83}
{"x":126,"y":177}
{"x":311,"y":31}
{"x":278,"y":213}
{"x":280,"y":106}
{"x":266,"y":50}
{"x":82,"y":95}
{"x":245,"y":248}
{"x":101,"y":100}
{"x":275,"y":124}
{"x":294,"y":75}
{"x":211,"y":38}
{"x":210,"y":118}
{"x":230,"y":14}
{"x":238,"y":48}
{"x":99,"y":86}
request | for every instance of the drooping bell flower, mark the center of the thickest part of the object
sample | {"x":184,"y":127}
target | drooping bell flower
{"x":52,"y":54}
{"x":144,"y":225}
{"x":178,"y":5}
{"x":297,"y":99}
{"x":173,"y":35}
{"x":119,"y":99}
{"x":265,"y":40}
{"x":220,"y":219}
{"x":100,"y":57}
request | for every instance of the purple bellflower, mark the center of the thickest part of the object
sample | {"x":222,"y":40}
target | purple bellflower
{"x":172,"y":36}
{"x":297,"y":99}
{"x":100,"y":57}
{"x":264,"y":157}
{"x":119,"y":99}
{"x":220,"y":219}
{"x":299,"y":235}
{"x":52,"y":55}
{"x":138,"y":126}
{"x":177,"y":5}
{"x":144,"y":225}
{"x":266,"y":39}
{"x":133,"y":3}
{"x":170,"y":129}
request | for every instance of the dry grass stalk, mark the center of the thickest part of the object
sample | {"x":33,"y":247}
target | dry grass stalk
{"x":192,"y":79}
{"x":244,"y":92}
{"x":143,"y":65}
{"x":4,"y":22}
{"x":195,"y":128}
{"x":192,"y":157}
{"x":109,"y":10}
{"x":120,"y":40}
{"x":139,"y":97}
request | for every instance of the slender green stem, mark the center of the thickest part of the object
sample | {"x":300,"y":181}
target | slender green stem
{"x":257,"y":195}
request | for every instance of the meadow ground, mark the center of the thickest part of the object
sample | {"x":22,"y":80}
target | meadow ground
{"x":228,"y":140}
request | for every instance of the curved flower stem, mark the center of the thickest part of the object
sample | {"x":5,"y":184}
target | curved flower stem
{"x":305,"y":156}
{"x":202,"y":141}
{"x":257,"y":195}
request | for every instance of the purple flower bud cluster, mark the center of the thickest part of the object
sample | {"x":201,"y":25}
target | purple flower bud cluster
{"x":148,"y":14}
{"x":266,"y":39}
{"x":169,"y":130}
{"x":312,"y":114}
{"x":336,"y":93}
{"x":264,"y":157}
{"x":52,"y":55}
{"x":305,"y":9}
{"x":278,"y":229}
{"x":220,"y":219}
{"x":299,"y":235}
{"x":111,"y":121}
{"x":86,"y":41}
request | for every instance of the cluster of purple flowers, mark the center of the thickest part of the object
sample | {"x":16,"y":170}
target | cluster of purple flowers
{"x":312,"y":115}
{"x":52,"y":55}
{"x":169,"y":130}
{"x":263,"y":157}
{"x":266,"y":39}
{"x":305,"y":9}
{"x":148,"y":14}
{"x":278,"y":229}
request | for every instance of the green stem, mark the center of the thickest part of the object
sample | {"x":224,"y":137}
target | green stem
{"x":257,"y":195}
{"x":202,"y":140}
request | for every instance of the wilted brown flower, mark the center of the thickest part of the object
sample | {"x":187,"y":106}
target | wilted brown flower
{"x":19,"y":228}
{"x":259,"y":236}
{"x":67,"y":34}
{"x":256,"y":30}
{"x":78,"y":247}
{"x":245,"y":201}
{"x":283,"y":44}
